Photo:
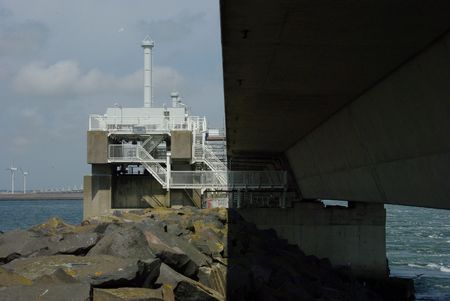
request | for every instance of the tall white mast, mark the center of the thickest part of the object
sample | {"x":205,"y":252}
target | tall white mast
{"x":25,"y":174}
{"x":13,"y":171}
{"x":148,"y":44}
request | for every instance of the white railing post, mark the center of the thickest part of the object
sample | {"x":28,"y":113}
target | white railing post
{"x":169,"y":170}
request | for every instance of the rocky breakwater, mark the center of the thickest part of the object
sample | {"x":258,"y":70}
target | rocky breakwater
{"x":165,"y":254}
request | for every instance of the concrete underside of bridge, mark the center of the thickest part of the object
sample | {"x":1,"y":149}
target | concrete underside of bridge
{"x":355,"y":96}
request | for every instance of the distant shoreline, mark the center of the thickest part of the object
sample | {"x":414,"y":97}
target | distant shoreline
{"x":41,"y":196}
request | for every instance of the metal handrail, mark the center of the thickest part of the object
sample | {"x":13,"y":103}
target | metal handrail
{"x":234,"y":179}
{"x":136,"y":153}
{"x":211,"y":159}
{"x":159,"y":172}
{"x":144,"y":124}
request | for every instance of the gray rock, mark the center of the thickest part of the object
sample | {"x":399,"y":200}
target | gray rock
{"x":132,"y":242}
{"x":168,"y":276}
{"x":128,"y":294}
{"x":184,"y":287}
{"x":55,"y":286}
{"x":125,"y":242}
{"x":191,"y":291}
{"x":8,"y":278}
{"x":52,"y":227}
{"x":214,"y":277}
{"x":47,"y":292}
{"x":99,"y":270}
{"x":71,"y":243}
{"x":20,"y":243}
{"x":52,"y":237}
{"x":174,"y":251}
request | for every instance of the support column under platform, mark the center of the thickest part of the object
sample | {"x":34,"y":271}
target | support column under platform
{"x":96,"y":195}
{"x":138,"y":191}
{"x":105,"y":190}
{"x":353,"y":236}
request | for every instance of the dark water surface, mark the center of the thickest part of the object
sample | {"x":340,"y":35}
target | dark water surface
{"x":418,"y":246}
{"x":24,"y":214}
{"x":418,"y":239}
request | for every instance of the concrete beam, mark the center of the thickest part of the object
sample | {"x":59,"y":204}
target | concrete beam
{"x":290,"y":65}
{"x":390,"y":145}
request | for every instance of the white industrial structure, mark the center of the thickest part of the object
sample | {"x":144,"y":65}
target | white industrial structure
{"x":160,"y":156}
{"x":13,"y":173}
{"x":24,"y":174}
{"x":148,"y":44}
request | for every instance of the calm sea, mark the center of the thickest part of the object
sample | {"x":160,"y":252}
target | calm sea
{"x":418,"y":239}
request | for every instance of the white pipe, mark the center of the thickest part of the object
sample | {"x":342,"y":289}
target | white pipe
{"x":169,"y":170}
{"x":148,"y":44}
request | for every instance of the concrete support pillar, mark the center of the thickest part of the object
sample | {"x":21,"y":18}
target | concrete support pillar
{"x":97,"y":195}
{"x":353,"y":236}
{"x":137,"y":191}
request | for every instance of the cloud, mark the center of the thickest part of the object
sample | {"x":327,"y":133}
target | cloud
{"x":22,"y":39}
{"x":4,"y":12}
{"x":173,"y":29}
{"x":66,"y":78}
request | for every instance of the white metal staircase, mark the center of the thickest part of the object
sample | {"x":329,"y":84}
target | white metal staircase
{"x":213,"y":162}
{"x":217,"y":177}
{"x":152,"y":142}
{"x":153,"y":167}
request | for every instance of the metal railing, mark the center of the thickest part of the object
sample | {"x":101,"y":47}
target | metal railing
{"x":153,"y":167}
{"x":136,"y":153}
{"x":222,"y":179}
{"x":234,"y":179}
{"x":123,"y":153}
{"x":204,"y":153}
{"x":212,"y":160}
{"x":152,"y":142}
{"x":142,"y":125}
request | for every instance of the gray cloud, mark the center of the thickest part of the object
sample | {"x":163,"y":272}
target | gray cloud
{"x":4,"y":12}
{"x":66,"y":78}
{"x":173,"y":29}
{"x":22,"y":39}
{"x":60,"y":61}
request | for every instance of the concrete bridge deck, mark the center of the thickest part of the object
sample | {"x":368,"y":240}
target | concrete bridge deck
{"x":355,"y":95}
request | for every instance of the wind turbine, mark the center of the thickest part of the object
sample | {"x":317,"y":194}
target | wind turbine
{"x":13,"y":171}
{"x":25,"y":174}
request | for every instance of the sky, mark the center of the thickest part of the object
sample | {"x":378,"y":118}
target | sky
{"x":62,"y":60}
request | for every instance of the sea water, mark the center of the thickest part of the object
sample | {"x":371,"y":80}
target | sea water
{"x":417,"y":239}
{"x":418,"y":246}
{"x":24,"y":214}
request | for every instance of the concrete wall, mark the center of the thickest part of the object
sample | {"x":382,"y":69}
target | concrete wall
{"x":181,"y":145}
{"x":347,"y":236}
{"x":96,"y":195}
{"x":97,"y":147}
{"x":129,"y":190}
{"x":390,"y":145}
